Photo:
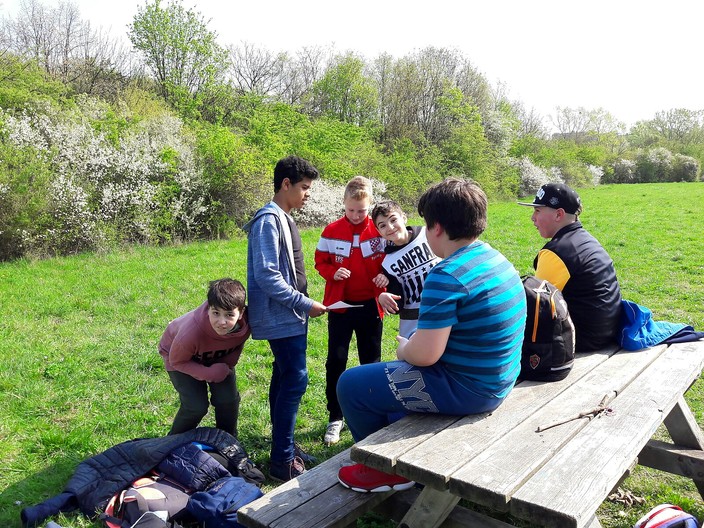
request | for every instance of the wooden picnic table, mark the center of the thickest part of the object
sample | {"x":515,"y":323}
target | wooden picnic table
{"x":516,"y":460}
{"x":558,"y":476}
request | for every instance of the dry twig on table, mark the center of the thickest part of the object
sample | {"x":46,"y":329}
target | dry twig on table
{"x":591,"y":413}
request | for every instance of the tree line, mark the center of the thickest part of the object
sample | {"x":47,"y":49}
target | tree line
{"x":103,"y":145}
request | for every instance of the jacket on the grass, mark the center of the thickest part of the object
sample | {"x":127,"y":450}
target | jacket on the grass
{"x":98,"y":478}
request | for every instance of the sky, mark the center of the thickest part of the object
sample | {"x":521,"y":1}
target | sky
{"x":632,"y":58}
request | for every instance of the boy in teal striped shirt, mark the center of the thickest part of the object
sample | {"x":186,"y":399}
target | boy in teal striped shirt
{"x":465,"y":356}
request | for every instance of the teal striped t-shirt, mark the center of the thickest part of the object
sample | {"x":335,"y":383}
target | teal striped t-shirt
{"x":479,"y":294}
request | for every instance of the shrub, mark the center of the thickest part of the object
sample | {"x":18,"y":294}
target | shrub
{"x":107,"y":182}
{"x":620,"y":171}
{"x":576,"y":174}
{"x":412,"y":169}
{"x":338,"y":150}
{"x":467,"y":152}
{"x":684,"y":169}
{"x":24,"y":196}
{"x":597,"y":174}
{"x":532,"y":177}
{"x":323,"y":206}
{"x":72,"y":227}
{"x":653,"y":165}
{"x":238,"y":178}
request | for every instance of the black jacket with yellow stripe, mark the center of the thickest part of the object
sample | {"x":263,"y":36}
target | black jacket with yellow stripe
{"x":575,"y":262}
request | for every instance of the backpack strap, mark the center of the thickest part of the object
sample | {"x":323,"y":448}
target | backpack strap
{"x":537,"y":311}
{"x":142,"y":504}
{"x":113,"y":521}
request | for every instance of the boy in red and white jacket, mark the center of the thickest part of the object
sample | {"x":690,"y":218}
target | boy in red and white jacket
{"x":200,"y":350}
{"x":349,"y":257}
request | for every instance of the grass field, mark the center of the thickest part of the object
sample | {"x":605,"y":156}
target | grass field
{"x":79,"y":370}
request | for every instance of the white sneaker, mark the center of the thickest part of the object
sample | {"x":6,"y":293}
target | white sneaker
{"x":332,"y":433}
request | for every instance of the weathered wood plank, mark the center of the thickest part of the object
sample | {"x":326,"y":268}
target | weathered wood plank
{"x":490,"y":479}
{"x":444,"y":438}
{"x":381,"y":449}
{"x":433,"y":461}
{"x":336,"y":507}
{"x":596,"y":458}
{"x":430,"y":509}
{"x":683,"y":427}
{"x":314,"y":499}
{"x":673,"y":458}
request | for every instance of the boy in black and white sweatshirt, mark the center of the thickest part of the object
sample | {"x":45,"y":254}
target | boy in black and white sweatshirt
{"x":407,"y":263}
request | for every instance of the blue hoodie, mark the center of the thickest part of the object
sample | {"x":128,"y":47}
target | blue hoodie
{"x":641,"y":331}
{"x":276,"y":308}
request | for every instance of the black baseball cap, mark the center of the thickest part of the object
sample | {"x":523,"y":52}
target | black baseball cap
{"x":557,"y":196}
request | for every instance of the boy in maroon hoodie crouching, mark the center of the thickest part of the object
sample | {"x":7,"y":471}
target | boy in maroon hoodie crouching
{"x":200,"y":350}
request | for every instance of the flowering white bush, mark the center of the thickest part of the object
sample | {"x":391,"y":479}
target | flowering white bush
{"x":596,"y":172}
{"x":624,"y":171}
{"x":141,"y":186}
{"x":22,"y":132}
{"x":499,"y":129}
{"x":653,"y":165}
{"x":323,"y":206}
{"x":533,"y":177}
{"x":660,"y":156}
{"x":685,"y":168}
{"x":556,"y":175}
{"x":74,"y":222}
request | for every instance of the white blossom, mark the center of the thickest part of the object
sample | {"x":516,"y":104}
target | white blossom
{"x":596,"y":172}
{"x":110,"y":187}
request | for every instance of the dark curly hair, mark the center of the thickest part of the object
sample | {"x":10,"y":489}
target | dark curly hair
{"x":295,"y":169}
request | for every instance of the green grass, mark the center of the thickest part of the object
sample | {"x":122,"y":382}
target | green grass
{"x":79,"y":370}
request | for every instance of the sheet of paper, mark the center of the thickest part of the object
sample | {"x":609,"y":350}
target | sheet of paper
{"x":342,"y":304}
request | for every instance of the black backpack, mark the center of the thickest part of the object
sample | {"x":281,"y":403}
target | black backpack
{"x":548,"y":345}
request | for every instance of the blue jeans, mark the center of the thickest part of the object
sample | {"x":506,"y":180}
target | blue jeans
{"x":289,"y":380}
{"x":374,"y":395}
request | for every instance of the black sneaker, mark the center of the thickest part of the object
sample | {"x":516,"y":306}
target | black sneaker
{"x":287,"y":471}
{"x":305,"y":457}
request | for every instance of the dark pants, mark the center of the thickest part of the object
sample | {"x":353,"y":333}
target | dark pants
{"x":194,"y":402}
{"x":367,"y":326}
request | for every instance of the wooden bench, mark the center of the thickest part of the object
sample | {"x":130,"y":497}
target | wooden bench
{"x":316,"y":499}
{"x":556,"y":477}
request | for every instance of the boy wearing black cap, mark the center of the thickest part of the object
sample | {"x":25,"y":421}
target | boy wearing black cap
{"x":575,"y":262}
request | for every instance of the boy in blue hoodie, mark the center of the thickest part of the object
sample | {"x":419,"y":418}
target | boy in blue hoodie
{"x":279,"y":306}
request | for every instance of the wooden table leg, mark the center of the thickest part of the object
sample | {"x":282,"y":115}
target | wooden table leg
{"x":685,"y":431}
{"x":430,"y":509}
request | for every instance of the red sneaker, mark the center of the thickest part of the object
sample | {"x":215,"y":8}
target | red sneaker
{"x":364,"y":479}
